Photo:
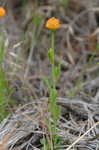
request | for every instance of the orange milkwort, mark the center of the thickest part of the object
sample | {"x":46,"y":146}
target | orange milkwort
{"x":53,"y":24}
{"x":2,"y":12}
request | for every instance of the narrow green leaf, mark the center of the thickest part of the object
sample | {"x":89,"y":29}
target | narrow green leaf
{"x":47,"y":82}
{"x":51,"y":55}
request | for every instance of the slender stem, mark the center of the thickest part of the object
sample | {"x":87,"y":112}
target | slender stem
{"x":53,"y":76}
{"x":52,"y":39}
{"x":52,"y":46}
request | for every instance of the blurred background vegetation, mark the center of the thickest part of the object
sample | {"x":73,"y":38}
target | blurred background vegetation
{"x":24,"y":62}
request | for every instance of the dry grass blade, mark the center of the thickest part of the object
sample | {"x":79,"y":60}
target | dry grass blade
{"x":3,"y":144}
{"x":75,"y":142}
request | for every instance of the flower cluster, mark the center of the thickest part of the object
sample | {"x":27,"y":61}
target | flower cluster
{"x":2,"y":12}
{"x":53,"y":24}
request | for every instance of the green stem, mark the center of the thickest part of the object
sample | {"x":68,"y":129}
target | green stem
{"x":53,"y":78}
{"x":53,"y":46}
{"x":52,"y":39}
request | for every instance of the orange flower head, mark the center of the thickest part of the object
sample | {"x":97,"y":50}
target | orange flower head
{"x":53,"y":24}
{"x":2,"y":12}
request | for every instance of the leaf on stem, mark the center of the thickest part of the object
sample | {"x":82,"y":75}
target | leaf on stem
{"x":51,"y":55}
